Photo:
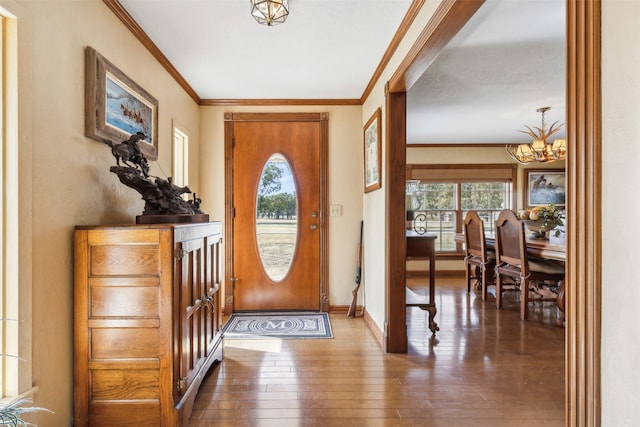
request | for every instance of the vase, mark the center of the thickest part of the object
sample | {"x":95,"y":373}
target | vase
{"x":538,"y":229}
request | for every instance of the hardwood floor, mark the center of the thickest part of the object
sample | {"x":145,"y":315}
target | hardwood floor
{"x":484,"y":368}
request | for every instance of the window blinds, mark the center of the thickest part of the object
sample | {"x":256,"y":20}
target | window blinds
{"x":463,"y":173}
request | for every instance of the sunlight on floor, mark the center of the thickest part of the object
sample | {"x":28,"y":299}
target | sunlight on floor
{"x":273,"y":345}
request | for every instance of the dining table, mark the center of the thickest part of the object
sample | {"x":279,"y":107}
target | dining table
{"x":553,"y":248}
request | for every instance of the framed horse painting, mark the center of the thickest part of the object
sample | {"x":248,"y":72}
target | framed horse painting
{"x":544,"y":187}
{"x":117,"y":107}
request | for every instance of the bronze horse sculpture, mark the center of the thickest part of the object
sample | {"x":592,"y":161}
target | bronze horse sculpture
{"x":129,"y":152}
{"x":161,"y":196}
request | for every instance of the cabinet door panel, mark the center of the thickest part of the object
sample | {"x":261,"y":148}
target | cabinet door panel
{"x":212,"y":289}
{"x":191,"y":306}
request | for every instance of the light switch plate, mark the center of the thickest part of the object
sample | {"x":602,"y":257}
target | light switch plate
{"x":336,"y":210}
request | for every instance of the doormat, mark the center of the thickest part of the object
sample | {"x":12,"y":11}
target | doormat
{"x":299,"y":325}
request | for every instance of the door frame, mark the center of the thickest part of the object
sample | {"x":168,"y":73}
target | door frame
{"x":323,"y":120}
{"x":584,"y":259}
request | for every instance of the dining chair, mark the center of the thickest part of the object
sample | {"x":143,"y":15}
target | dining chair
{"x":515,"y":269}
{"x":479,"y":262}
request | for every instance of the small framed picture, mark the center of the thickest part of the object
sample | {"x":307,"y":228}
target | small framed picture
{"x":116,"y":107}
{"x":544,"y":187}
{"x":372,"y":155}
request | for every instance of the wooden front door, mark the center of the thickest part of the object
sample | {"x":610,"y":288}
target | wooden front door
{"x":278,"y":217}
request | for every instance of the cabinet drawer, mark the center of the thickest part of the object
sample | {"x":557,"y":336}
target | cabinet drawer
{"x":124,"y":260}
{"x":122,"y":343}
{"x":125,"y":384}
{"x":124,"y":302}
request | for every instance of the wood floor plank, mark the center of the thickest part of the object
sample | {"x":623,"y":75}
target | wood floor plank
{"x":485,"y":367}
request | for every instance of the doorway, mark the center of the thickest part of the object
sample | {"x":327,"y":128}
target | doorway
{"x":582,"y":402}
{"x":276,"y":165}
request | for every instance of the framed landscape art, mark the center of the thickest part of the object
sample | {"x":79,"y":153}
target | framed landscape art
{"x":544,"y":187}
{"x":116,"y":107}
{"x":372,"y":155}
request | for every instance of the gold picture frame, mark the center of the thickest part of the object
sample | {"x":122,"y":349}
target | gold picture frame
{"x":372,"y":154}
{"x":116,"y":107}
{"x":544,"y":187}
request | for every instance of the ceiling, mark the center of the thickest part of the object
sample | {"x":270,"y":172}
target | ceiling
{"x":508,"y":61}
{"x":505,"y":63}
{"x":327,"y":49}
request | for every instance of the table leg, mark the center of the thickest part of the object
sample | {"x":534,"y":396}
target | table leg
{"x":561,"y":304}
{"x":433,"y":326}
{"x":420,"y":246}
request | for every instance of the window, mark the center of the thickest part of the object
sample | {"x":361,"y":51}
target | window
{"x":14,"y":320}
{"x":441,"y":195}
{"x":3,"y":314}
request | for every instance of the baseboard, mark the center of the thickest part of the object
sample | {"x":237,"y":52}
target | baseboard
{"x":377,"y":332}
{"x":338,"y":309}
{"x":344,"y":309}
{"x":439,"y":273}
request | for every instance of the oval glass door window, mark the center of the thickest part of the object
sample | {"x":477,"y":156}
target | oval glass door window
{"x":277,"y":217}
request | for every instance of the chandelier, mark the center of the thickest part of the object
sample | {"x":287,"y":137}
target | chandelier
{"x":540,"y":150}
{"x":270,"y":12}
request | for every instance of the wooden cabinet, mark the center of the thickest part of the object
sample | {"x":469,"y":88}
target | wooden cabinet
{"x":147,"y":321}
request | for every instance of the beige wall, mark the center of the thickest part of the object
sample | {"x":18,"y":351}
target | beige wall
{"x":345,"y":183}
{"x":620,"y":207}
{"x":64,"y":177}
{"x":68,"y":174}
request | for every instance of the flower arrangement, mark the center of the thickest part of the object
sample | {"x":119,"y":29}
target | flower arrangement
{"x":541,"y":219}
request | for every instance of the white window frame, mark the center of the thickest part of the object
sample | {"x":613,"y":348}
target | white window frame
{"x":458,"y":213}
{"x":180,"y":169}
{"x":15,"y":364}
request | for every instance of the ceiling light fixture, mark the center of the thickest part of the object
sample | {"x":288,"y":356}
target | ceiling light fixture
{"x":270,"y":12}
{"x":540,"y":150}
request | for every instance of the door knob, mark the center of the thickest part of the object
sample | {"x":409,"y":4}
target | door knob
{"x":314,"y":226}
{"x":314,"y":214}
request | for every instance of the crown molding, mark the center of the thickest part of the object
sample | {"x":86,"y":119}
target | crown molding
{"x":139,"y":33}
{"x":408,"y":19}
{"x":432,"y":41}
{"x":271,"y":102}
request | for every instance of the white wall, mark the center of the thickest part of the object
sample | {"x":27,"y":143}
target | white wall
{"x":65,"y":176}
{"x":620,"y":207}
{"x":345,"y":183}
